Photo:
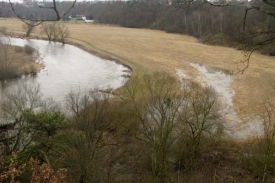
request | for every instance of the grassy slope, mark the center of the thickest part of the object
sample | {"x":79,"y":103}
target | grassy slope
{"x":150,"y":50}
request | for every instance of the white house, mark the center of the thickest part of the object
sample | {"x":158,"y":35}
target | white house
{"x":78,"y":17}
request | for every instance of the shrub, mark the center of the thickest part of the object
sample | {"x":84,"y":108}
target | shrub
{"x":171,"y":116}
{"x":28,"y":49}
{"x":7,"y":68}
{"x":261,"y":160}
{"x":55,"y":31}
{"x":218,"y":39}
{"x":270,"y":50}
{"x":18,"y":49}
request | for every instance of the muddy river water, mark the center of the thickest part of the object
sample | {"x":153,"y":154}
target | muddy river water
{"x":68,"y":67}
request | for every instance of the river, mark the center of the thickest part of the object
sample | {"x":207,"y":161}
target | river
{"x":68,"y":67}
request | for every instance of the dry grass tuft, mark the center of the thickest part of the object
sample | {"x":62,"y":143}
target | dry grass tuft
{"x":24,"y":62}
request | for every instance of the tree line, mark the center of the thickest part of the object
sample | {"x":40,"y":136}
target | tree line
{"x":212,"y":25}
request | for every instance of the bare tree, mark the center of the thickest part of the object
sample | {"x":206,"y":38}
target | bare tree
{"x":36,"y":22}
{"x":221,"y":22}
{"x":63,"y":32}
{"x":200,"y":119}
{"x":48,"y":30}
{"x":88,"y":142}
{"x":260,"y":160}
{"x":170,"y":114}
{"x":55,"y":31}
{"x":17,"y":100}
{"x":76,"y":101}
{"x":157,"y":111}
{"x":269,"y":126}
{"x":5,"y":32}
{"x":29,"y":28}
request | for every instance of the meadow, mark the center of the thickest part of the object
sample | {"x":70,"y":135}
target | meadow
{"x":147,"y":51}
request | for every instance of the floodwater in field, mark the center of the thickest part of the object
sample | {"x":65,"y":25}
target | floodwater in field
{"x":68,"y":67}
{"x":221,"y":82}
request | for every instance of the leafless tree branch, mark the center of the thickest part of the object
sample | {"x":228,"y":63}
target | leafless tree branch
{"x":248,"y":54}
{"x":5,"y":32}
{"x":187,"y":3}
{"x":269,"y":2}
{"x":39,"y":21}
{"x":222,"y":3}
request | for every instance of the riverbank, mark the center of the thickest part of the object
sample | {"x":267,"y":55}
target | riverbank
{"x":146,"y":51}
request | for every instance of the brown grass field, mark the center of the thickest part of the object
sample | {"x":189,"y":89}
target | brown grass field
{"x":148,"y":50}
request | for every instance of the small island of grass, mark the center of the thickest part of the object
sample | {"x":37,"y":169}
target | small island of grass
{"x":16,"y":61}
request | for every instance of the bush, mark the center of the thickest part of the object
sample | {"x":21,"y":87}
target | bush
{"x":218,"y":39}
{"x":55,"y":31}
{"x":28,"y":49}
{"x":131,"y":24}
{"x":261,"y":160}
{"x":258,"y":162}
{"x":269,"y":50}
{"x":8,"y":73}
{"x":7,"y":68}
{"x":18,"y":49}
{"x":171,"y":116}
